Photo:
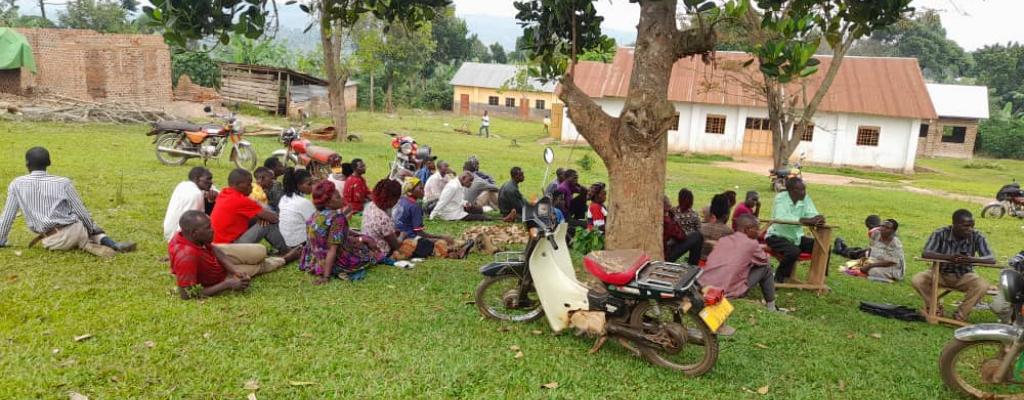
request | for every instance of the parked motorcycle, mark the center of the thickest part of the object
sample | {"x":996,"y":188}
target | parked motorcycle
{"x":407,"y":156}
{"x":178,"y":141}
{"x":654,"y":308}
{"x":986,"y":361}
{"x":318,"y":160}
{"x":1008,"y":202}
{"x":778,"y":177}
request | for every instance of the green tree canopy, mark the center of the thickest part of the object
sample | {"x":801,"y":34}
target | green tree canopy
{"x":1001,"y":68}
{"x":922,"y":37}
{"x":97,"y":15}
{"x":498,"y":53}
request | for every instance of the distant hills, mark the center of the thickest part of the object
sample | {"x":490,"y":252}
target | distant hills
{"x":505,"y":30}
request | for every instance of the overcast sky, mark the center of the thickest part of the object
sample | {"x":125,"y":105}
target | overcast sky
{"x":971,"y":23}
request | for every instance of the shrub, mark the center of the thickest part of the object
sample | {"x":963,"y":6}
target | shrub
{"x":1002,"y":138}
{"x":198,"y":66}
{"x":586,"y":162}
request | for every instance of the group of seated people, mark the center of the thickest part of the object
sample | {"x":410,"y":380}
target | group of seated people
{"x":214,"y":236}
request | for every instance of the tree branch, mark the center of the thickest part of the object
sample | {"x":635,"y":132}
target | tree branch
{"x":590,"y":120}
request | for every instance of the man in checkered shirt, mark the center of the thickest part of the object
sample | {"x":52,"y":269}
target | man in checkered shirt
{"x":961,"y":247}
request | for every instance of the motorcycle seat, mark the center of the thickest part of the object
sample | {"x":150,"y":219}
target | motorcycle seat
{"x":615,"y":267}
{"x":182,"y":126}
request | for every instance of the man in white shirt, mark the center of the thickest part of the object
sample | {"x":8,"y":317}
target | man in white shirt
{"x":192,"y":194}
{"x":434,"y":185}
{"x":485,"y":126}
{"x":452,"y":205}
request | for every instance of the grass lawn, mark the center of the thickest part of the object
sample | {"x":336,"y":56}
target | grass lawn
{"x":979,"y":177}
{"x":411,"y":334}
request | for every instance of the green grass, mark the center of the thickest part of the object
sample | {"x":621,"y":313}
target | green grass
{"x":698,"y":158}
{"x":410,"y":334}
{"x":856,"y":173}
{"x":978,"y":177}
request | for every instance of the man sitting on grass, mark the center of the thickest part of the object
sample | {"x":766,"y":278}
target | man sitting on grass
{"x":203,"y":270}
{"x":276,"y":190}
{"x":54,"y":211}
{"x":234,"y":211}
{"x":510,"y":199}
{"x":452,"y":205}
{"x":481,"y":192}
{"x":787,"y":240}
{"x":264,"y":179}
{"x":194,"y":194}
{"x":961,"y":247}
{"x":738,"y":263}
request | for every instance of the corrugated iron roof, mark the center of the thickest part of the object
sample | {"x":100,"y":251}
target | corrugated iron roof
{"x":892,"y":87}
{"x":493,"y":76}
{"x":959,"y":101}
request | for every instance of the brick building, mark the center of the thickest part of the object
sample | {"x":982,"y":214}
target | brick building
{"x":953,"y":134}
{"x":92,"y":66}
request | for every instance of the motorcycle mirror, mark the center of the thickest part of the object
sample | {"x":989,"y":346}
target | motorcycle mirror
{"x":549,"y":155}
{"x":207,"y":109}
{"x":305,"y":115}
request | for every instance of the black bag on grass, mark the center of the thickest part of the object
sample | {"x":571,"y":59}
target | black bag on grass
{"x":902,"y":313}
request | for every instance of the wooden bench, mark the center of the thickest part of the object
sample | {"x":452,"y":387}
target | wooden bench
{"x":931,"y":311}
{"x":819,"y":257}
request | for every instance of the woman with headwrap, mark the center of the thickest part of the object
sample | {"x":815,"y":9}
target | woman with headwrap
{"x":415,"y":241}
{"x":332,"y":249}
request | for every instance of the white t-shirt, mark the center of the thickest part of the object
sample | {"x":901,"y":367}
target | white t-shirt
{"x":339,"y":184}
{"x":449,"y":205}
{"x":294,"y":211}
{"x":186,"y":196}
{"x":485,"y":121}
{"x":435,"y":185}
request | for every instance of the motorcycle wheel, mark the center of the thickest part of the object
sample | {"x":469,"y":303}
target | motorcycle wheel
{"x":244,"y":157}
{"x":496,"y":296}
{"x":689,"y":345}
{"x":993,"y":211}
{"x":174,"y":141}
{"x":968,"y":368}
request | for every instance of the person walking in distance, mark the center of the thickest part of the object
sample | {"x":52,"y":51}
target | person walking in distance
{"x":485,"y":126}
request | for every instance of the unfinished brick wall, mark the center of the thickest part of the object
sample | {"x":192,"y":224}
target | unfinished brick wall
{"x":933,"y":146}
{"x":10,"y":81}
{"x":189,"y":91}
{"x":94,"y":66}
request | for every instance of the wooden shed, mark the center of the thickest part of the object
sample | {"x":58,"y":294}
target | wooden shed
{"x":268,"y":88}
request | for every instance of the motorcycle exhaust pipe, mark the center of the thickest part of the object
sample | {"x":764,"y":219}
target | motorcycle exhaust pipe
{"x":178,"y":152}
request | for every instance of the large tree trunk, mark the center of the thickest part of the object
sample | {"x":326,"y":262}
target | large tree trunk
{"x":633,"y":146}
{"x":330,"y":37}
{"x":42,"y":8}
{"x":389,"y":105}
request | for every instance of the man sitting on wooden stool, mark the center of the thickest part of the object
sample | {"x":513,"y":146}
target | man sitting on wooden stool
{"x":961,"y":246}
{"x":787,"y":240}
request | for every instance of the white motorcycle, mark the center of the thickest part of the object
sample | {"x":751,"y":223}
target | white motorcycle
{"x":654,"y":308}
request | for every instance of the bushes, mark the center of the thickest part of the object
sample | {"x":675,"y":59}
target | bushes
{"x":1002,"y":138}
{"x":198,"y":66}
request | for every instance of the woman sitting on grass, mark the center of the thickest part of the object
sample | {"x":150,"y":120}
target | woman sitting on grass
{"x":885,"y":261}
{"x":413,"y":240}
{"x":295,"y":208}
{"x":332,"y":249}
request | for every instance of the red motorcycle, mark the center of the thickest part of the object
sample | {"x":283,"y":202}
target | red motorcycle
{"x":318,"y":160}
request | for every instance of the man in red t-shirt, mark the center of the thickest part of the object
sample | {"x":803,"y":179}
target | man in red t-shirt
{"x":750,"y":206}
{"x":234,"y":210}
{"x":204,"y":270}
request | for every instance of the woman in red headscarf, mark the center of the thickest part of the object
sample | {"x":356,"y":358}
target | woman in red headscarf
{"x":332,"y":249}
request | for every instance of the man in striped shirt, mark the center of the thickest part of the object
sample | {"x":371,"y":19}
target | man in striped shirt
{"x":962,"y":247}
{"x":54,"y":211}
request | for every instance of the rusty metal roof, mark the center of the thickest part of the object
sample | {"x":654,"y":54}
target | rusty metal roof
{"x":885,"y":86}
{"x":297,"y":77}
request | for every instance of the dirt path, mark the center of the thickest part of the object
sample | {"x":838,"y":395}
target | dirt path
{"x":761,"y":167}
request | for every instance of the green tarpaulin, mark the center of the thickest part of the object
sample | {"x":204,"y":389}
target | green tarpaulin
{"x":14,"y":51}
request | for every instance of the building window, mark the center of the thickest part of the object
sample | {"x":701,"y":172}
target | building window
{"x":510,"y":102}
{"x":808,"y":134}
{"x":538,"y":104}
{"x":923,"y":132}
{"x":715,"y":124}
{"x":492,"y":100}
{"x":760,"y":124}
{"x":868,"y":135}
{"x":954,"y":134}
{"x":675,"y":123}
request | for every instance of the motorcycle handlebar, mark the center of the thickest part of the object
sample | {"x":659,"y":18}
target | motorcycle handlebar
{"x":551,"y":238}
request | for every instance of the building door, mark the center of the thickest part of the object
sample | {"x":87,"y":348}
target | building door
{"x":555,"y":129}
{"x":464,"y":104}
{"x":757,"y":138}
